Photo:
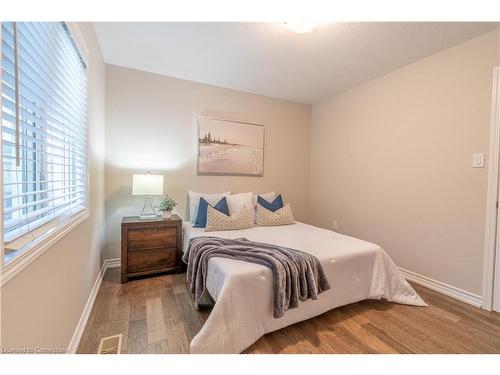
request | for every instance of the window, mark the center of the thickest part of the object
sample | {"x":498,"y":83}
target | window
{"x":44,"y":133}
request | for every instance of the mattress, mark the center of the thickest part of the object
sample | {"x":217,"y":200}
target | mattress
{"x":243,"y":294}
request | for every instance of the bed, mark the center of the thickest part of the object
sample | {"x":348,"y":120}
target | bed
{"x":243,"y":295}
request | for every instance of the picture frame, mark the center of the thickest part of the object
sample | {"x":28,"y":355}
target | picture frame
{"x":229,"y":147}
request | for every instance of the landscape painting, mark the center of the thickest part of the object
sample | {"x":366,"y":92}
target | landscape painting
{"x":228,"y":147}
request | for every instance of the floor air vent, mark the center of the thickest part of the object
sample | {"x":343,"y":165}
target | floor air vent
{"x":110,"y":345}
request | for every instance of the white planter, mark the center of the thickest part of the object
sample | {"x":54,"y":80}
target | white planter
{"x":167,"y":214}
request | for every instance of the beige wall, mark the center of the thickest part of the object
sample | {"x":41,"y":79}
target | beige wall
{"x":391,"y":162}
{"x":42,"y":305}
{"x":152,"y":125}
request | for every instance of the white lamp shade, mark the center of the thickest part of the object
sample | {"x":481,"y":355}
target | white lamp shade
{"x":147,"y":184}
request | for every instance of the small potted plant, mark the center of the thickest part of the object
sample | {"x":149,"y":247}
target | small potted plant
{"x":166,"y":206}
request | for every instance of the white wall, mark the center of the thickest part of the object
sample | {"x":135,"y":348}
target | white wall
{"x":151,"y":123}
{"x":42,"y":305}
{"x":391,"y":162}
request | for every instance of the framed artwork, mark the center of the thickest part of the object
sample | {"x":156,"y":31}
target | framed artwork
{"x":230,"y":147}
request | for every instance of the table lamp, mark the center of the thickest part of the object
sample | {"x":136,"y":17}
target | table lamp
{"x":147,"y":185}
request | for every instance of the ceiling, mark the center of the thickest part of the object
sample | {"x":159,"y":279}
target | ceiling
{"x":268,"y":59}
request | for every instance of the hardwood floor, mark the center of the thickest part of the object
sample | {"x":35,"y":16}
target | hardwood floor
{"x":156,"y":315}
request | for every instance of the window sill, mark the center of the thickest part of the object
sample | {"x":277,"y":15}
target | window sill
{"x":23,"y":260}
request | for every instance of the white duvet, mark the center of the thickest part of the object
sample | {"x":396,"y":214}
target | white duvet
{"x":243,"y":294}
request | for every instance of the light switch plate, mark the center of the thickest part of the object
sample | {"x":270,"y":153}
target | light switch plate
{"x":478,"y":160}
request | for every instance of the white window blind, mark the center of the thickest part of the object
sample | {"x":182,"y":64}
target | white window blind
{"x":44,"y":131}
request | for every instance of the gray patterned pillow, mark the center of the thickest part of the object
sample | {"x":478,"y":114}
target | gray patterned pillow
{"x":283,"y":216}
{"x":216,"y":220}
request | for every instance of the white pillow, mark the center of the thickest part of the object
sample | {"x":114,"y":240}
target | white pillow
{"x":267,"y":196}
{"x":194,"y":201}
{"x":237,"y":201}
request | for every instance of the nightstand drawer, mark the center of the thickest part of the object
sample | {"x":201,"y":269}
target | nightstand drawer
{"x":151,"y":238}
{"x":140,"y":261}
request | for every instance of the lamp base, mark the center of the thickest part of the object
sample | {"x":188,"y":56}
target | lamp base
{"x":148,"y":217}
{"x":148,"y":211}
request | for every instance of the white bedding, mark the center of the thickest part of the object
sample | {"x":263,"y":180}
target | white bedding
{"x":242,"y":291}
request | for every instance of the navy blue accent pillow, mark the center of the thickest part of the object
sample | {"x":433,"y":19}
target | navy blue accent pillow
{"x":276,"y":204}
{"x":201,"y":218}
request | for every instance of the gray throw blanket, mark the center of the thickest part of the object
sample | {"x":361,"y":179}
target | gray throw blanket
{"x":296,"y":275}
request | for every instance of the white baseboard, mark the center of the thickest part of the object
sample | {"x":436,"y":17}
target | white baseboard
{"x":113,"y":263}
{"x":77,"y":335}
{"x":438,"y":286}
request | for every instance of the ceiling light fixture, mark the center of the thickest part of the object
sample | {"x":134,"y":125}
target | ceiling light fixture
{"x":301,"y":27}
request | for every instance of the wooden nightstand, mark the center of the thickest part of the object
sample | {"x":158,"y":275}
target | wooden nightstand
{"x":150,"y":246}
